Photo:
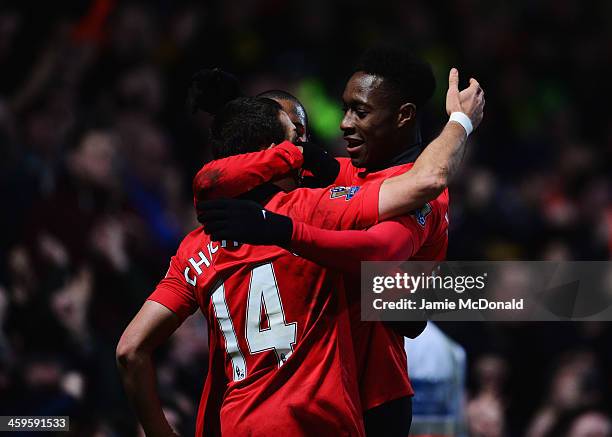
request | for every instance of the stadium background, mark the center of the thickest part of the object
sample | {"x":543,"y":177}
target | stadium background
{"x":97,"y":154}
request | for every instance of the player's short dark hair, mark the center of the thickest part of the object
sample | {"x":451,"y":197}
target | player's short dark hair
{"x":284,"y":95}
{"x":409,"y":78}
{"x":280,"y":94}
{"x":240,"y":124}
{"x":246,"y":124}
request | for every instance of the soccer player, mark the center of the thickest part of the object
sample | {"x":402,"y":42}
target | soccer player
{"x":274,"y":348}
{"x":381,"y":130}
{"x":299,"y":394}
{"x":185,"y":288}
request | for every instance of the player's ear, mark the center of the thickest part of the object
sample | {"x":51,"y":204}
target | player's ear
{"x":406,"y":114}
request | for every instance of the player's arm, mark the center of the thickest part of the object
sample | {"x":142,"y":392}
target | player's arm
{"x":344,"y":250}
{"x":235,"y":175}
{"x":151,"y":327}
{"x":430,"y":174}
{"x":172,"y":302}
{"x":439,"y":162}
{"x":428,"y":177}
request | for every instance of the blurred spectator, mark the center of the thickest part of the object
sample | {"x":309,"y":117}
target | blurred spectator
{"x":575,"y":384}
{"x":583,"y":422}
{"x":486,"y":409}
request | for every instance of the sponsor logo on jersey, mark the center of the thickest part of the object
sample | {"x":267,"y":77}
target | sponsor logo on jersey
{"x":421,"y":214}
{"x":346,"y":192}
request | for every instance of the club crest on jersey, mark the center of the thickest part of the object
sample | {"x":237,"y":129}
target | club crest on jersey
{"x":421,"y":214}
{"x":346,"y":192}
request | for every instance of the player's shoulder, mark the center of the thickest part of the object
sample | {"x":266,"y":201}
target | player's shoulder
{"x":344,"y":162}
{"x":193,"y":240}
{"x":347,"y":169}
{"x":431,"y":212}
{"x":285,"y":203}
{"x":395,"y":170}
{"x":329,"y":193}
{"x":401,"y":168}
{"x":384,"y":173}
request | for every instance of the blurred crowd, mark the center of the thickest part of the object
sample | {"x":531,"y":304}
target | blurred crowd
{"x":97,"y":153}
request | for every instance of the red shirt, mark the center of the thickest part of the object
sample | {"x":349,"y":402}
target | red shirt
{"x":278,"y":325}
{"x":380,"y":354}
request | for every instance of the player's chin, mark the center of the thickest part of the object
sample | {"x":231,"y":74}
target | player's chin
{"x":358,"y":159}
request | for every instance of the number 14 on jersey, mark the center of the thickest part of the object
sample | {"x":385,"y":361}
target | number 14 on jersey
{"x":263,"y":305}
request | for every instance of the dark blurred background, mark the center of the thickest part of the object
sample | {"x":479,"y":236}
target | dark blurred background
{"x":97,"y":153}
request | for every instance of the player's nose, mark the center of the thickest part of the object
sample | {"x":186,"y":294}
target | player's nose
{"x":346,"y":125}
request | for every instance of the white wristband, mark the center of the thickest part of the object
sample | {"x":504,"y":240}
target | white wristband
{"x":463,"y":120}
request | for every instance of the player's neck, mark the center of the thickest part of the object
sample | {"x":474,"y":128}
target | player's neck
{"x":408,"y":148}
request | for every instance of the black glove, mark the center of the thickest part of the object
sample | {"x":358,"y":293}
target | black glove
{"x":244,"y":221}
{"x":323,"y":166}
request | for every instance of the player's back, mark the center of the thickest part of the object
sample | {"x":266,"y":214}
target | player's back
{"x":286,"y":334}
{"x":284,"y":329}
{"x":279,"y":330}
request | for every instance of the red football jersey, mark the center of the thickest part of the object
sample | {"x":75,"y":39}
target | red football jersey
{"x":279,"y":322}
{"x":380,"y":355}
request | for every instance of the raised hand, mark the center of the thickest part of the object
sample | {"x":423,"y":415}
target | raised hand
{"x":470,"y":101}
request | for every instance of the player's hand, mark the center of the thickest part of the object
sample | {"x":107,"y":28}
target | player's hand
{"x":244,"y":221}
{"x":321,"y":164}
{"x":470,"y":101}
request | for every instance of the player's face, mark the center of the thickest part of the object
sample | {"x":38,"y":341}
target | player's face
{"x":297,"y":116}
{"x":291,"y":133}
{"x":370,"y":122}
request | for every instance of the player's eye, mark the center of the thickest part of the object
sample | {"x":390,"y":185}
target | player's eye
{"x":361,"y":113}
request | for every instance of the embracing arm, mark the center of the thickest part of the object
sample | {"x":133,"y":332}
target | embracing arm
{"x":152,"y":326}
{"x":439,"y":162}
{"x":235,"y":175}
{"x":399,"y":239}
{"x":397,"y":196}
{"x":428,"y":177}
{"x":344,"y":250}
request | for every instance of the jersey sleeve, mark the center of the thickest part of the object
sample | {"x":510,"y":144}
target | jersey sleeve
{"x":174,"y":292}
{"x":335,"y":207}
{"x":235,"y":175}
{"x":392,"y":240}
